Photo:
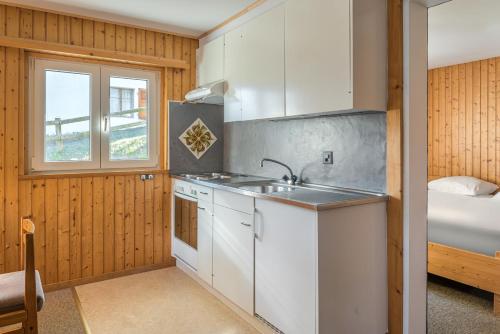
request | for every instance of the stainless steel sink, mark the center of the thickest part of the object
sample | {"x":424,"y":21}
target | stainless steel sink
{"x":264,"y":187}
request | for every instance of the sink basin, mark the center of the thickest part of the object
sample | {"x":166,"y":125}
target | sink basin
{"x":265,"y":188}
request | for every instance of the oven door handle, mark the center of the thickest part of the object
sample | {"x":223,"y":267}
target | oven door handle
{"x":187,"y":198}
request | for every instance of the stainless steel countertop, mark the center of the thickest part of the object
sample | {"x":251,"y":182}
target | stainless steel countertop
{"x":312,"y":197}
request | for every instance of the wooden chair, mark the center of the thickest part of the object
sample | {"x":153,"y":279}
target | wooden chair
{"x":21,"y":293}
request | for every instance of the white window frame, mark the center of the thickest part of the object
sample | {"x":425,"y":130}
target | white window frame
{"x":99,"y":115}
{"x":153,"y":121}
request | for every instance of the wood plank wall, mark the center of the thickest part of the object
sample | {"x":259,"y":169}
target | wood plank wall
{"x":86,"y":226}
{"x":464,"y":120}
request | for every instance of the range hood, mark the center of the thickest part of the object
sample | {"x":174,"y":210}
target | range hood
{"x":212,"y":93}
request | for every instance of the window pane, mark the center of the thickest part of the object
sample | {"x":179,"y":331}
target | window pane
{"x":67,"y":116}
{"x":129,"y":119}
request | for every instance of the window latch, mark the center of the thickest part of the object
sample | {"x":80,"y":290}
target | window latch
{"x":106,"y":123}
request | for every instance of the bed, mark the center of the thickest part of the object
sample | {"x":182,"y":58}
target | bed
{"x":464,"y":240}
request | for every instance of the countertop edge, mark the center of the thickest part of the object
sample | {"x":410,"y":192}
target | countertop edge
{"x":370,"y":199}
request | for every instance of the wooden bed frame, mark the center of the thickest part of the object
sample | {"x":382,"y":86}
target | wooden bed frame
{"x":474,"y":269}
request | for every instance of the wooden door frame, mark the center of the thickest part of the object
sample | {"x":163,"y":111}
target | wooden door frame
{"x":407,"y":164}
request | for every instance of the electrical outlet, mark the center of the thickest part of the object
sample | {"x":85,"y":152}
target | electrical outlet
{"x":327,"y":157}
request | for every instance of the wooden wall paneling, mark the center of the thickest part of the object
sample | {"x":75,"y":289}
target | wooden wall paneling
{"x":139,"y":222}
{"x":395,"y":166}
{"x":454,"y":119}
{"x":140,"y":41}
{"x":12,"y":84}
{"x":39,"y":26}
{"x":99,"y":32}
{"x":51,"y":230}
{"x":97,"y":223}
{"x":497,"y":131}
{"x":484,"y":120}
{"x":150,"y":43}
{"x":476,"y":119}
{"x":76,"y":30}
{"x":167,"y":224}
{"x":185,"y":75}
{"x":88,"y":33}
{"x":75,"y":228}
{"x":87,"y":226}
{"x":63,"y":238}
{"x":469,"y":128}
{"x":2,"y":149}
{"x":52,"y":28}
{"x":177,"y":83}
{"x":129,"y":219}
{"x":109,"y":224}
{"x":169,"y":53}
{"x":468,"y":120}
{"x":26,"y":23}
{"x":38,"y":216}
{"x":130,"y":43}
{"x":492,"y":120}
{"x":158,"y":219}
{"x":148,"y":222}
{"x":119,"y":222}
{"x":462,"y":132}
{"x":448,"y":120}
{"x":109,"y":37}
{"x":430,"y":138}
{"x":121,"y":38}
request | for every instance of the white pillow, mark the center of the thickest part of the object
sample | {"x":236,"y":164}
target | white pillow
{"x":463,"y":185}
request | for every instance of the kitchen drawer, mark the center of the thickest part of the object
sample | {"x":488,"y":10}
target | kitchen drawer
{"x":234,"y":201}
{"x":204,"y":193}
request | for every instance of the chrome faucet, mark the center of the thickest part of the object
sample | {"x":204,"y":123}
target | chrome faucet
{"x":292,"y":179}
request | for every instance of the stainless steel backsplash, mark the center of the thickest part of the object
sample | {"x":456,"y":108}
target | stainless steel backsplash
{"x":358,"y":143}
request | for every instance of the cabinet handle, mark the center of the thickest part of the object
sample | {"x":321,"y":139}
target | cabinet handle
{"x":203,"y":193}
{"x":245,"y":224}
{"x":201,"y":208}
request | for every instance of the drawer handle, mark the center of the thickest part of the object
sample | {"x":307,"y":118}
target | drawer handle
{"x":201,"y":208}
{"x":245,"y":224}
{"x":203,"y":193}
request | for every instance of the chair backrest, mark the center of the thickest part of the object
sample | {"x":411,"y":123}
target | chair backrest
{"x":28,"y":258}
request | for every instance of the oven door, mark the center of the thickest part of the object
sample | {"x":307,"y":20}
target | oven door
{"x":185,"y":229}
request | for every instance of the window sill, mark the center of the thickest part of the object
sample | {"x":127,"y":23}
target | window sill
{"x":91,"y":172}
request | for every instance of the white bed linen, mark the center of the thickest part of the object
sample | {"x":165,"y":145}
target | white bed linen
{"x":465,"y":222}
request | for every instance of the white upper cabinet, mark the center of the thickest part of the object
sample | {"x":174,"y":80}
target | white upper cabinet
{"x":318,"y":57}
{"x":233,"y":75}
{"x":335,"y":56}
{"x":264,"y":77}
{"x":210,"y":60}
{"x":254,"y":69}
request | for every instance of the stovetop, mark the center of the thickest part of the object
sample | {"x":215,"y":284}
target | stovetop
{"x":210,"y":176}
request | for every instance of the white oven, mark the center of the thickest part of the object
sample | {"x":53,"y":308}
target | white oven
{"x":185,"y":223}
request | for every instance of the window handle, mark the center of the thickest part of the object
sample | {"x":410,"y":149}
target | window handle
{"x":106,"y":123}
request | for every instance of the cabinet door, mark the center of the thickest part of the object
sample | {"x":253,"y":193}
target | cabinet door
{"x":211,"y":61}
{"x":233,"y":256}
{"x":205,"y":222}
{"x":317,"y":56}
{"x":233,"y":75}
{"x":264,"y":77}
{"x":285,"y":266}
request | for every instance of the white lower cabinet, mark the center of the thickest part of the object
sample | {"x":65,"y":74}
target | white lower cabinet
{"x":205,"y":228}
{"x":233,"y":256}
{"x":285,"y":266}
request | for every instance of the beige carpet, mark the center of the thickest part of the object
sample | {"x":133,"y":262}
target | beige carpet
{"x":162,"y":301}
{"x":454,"y":308}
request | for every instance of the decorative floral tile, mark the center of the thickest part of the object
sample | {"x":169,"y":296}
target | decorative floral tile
{"x":198,"y":138}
